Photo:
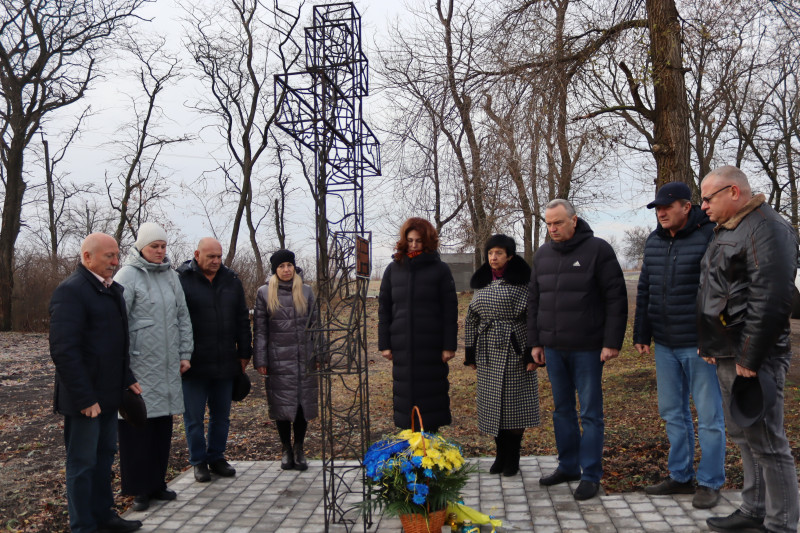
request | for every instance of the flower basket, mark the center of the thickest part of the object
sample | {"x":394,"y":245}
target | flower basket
{"x":415,"y":473}
{"x":417,"y":523}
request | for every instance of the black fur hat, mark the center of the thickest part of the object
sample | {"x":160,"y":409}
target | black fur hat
{"x":500,"y":241}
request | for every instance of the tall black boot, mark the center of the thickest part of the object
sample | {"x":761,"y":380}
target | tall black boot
{"x":513,"y":445}
{"x":299,"y":457}
{"x":500,"y":458}
{"x":287,"y":459}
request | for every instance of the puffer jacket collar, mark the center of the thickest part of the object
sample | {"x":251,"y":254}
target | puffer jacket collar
{"x":582,"y":232}
{"x":136,"y":260}
{"x":517,"y":273}
{"x":423,"y":258}
{"x":191,"y":266}
{"x":754,"y":203}
{"x":697,"y":219}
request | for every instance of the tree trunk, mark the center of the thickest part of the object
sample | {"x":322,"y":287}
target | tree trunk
{"x":12,"y":211}
{"x":671,"y":125}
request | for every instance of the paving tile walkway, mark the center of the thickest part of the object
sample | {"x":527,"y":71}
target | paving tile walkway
{"x":264,"y":498}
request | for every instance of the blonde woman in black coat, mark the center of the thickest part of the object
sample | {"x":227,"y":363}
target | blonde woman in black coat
{"x":495,"y":338}
{"x":283,"y":354}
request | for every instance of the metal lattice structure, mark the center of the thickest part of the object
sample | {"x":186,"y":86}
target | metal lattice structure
{"x":321,"y":108}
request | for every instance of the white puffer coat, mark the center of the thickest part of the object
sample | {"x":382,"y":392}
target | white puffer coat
{"x":160,"y":331}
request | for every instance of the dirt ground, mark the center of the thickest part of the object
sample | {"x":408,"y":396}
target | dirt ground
{"x":32,"y":494}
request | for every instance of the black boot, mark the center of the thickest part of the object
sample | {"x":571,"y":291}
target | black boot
{"x":500,"y":459}
{"x":513,"y":445}
{"x":299,"y":457}
{"x":287,"y":459}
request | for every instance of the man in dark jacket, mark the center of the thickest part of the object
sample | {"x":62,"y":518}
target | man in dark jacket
{"x":743,"y":309}
{"x":89,"y":346}
{"x":222,"y":348}
{"x":665,"y":311}
{"x":577,"y":314}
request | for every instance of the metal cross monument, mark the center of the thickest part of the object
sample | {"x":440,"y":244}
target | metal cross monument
{"x":321,"y":108}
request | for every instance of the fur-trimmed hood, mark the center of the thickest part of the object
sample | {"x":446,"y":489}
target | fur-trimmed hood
{"x":517,"y":273}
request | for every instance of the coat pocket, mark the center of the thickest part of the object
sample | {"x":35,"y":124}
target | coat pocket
{"x":138,"y":334}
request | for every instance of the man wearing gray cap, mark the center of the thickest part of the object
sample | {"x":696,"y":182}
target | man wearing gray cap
{"x":665,"y":312}
{"x":743,"y":307}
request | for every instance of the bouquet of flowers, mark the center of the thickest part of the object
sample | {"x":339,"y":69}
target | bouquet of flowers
{"x":414,"y":472}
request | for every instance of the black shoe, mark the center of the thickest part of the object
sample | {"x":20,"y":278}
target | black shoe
{"x":558,"y":477}
{"x":670,"y":486}
{"x":705,"y":497}
{"x":300,"y":462}
{"x":119,"y":525}
{"x":737,"y":521}
{"x":513,"y":445}
{"x":287,"y":459}
{"x":586,"y":490}
{"x":201,"y":473}
{"x":140,"y":503}
{"x":164,"y":494}
{"x":221,"y":468}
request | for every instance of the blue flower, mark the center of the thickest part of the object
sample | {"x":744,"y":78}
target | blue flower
{"x":419,"y":499}
{"x":428,"y":472}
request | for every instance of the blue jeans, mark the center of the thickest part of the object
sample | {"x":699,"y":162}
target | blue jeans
{"x":581,"y":372}
{"x":679,"y":372}
{"x":91,"y":444}
{"x":770,"y":476}
{"x":197,"y":392}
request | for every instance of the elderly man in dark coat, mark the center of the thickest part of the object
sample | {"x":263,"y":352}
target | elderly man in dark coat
{"x":89,"y":346}
{"x":222,"y":347}
{"x":577,"y":315}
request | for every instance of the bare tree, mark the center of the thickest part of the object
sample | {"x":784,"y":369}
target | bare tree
{"x":238,"y":46}
{"x":133,"y":192}
{"x":57,"y":220}
{"x":48,"y":58}
{"x":633,"y":244}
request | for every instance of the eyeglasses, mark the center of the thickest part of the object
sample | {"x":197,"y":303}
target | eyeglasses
{"x":707,"y":199}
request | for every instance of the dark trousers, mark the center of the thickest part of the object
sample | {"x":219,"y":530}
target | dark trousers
{"x":91,"y":444}
{"x":144,"y":455}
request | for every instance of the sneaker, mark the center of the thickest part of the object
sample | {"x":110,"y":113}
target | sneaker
{"x":705,"y":497}
{"x":201,"y":473}
{"x":670,"y":486}
{"x":738,"y":521}
{"x":586,"y":489}
{"x":557,"y":477}
{"x":221,"y":468}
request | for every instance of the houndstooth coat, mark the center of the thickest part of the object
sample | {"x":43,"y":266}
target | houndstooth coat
{"x":495,"y":334}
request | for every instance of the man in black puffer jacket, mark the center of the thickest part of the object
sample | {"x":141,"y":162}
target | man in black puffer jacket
{"x":743,"y":309}
{"x":577,"y":314}
{"x":665,"y":311}
{"x":222,"y":348}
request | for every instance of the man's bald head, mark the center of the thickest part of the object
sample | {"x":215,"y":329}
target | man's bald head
{"x":208,"y":256}
{"x":725,"y":190}
{"x":100,"y":254}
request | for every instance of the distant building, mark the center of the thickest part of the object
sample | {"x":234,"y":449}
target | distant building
{"x":462,"y":268}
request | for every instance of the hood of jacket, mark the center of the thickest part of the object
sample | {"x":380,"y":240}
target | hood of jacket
{"x":517,"y":273}
{"x":135,"y":259}
{"x":697,"y":219}
{"x":582,"y":232}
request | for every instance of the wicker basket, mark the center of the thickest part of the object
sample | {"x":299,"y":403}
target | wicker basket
{"x":417,"y":523}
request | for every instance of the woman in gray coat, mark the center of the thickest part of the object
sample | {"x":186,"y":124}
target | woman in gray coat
{"x":495,"y":332}
{"x":161,"y":345}
{"x":283,"y":353}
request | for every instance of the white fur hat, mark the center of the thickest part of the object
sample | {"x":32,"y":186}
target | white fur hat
{"x":149,"y":232}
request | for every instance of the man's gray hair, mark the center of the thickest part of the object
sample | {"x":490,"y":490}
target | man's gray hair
{"x":732,"y":175}
{"x":561,"y":202}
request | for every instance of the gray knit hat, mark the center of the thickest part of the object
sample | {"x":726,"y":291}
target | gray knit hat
{"x":149,"y":232}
